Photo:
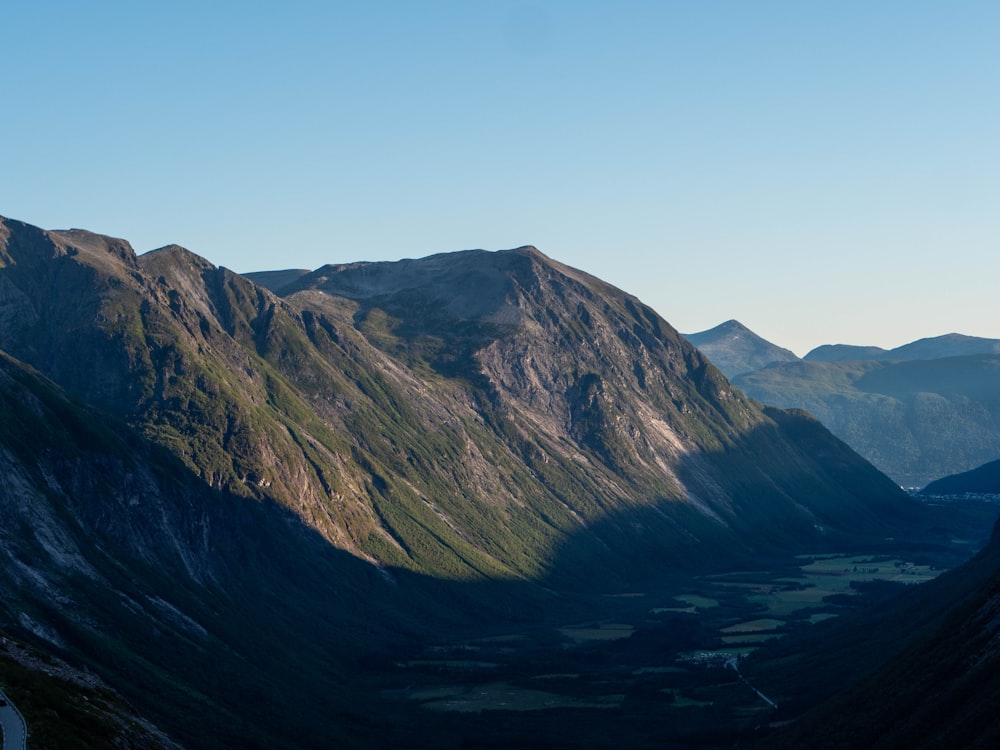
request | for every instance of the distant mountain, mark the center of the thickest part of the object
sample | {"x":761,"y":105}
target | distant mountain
{"x":735,"y":349}
{"x":916,"y":420}
{"x":919,"y":411}
{"x":983,"y":479}
{"x":937,"y":347}
{"x":219,"y":498}
{"x":845,"y":353}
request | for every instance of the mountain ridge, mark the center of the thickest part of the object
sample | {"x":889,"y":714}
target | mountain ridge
{"x":295,"y":483}
{"x":920,"y":411}
{"x":932,"y":347}
{"x":736,"y":350}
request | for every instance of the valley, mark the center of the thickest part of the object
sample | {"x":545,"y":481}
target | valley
{"x":661,"y":665}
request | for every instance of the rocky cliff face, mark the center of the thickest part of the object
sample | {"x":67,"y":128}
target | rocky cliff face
{"x":427,"y":413}
{"x":196,"y":465}
{"x":736,"y":350}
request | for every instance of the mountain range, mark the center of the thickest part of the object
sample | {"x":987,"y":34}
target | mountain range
{"x":918,"y":412}
{"x":235,"y":497}
{"x":935,"y":347}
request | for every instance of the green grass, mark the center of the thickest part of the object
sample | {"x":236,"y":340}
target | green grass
{"x":754,"y":626}
{"x":604,"y":632}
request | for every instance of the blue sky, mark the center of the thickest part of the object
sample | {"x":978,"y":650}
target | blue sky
{"x":825,"y":172}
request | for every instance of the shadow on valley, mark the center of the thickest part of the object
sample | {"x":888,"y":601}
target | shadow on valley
{"x":231,"y":623}
{"x":503,"y":433}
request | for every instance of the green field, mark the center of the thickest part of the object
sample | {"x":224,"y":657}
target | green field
{"x":502,"y":696}
{"x":662,"y":653}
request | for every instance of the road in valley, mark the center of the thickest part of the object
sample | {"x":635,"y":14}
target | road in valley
{"x":15,"y":733}
{"x":734,"y":663}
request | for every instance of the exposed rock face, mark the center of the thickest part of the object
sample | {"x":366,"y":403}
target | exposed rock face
{"x":424,"y":413}
{"x":195,"y":465}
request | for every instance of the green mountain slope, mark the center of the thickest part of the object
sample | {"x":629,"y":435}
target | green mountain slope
{"x":935,"y":347}
{"x":427,"y":413}
{"x":220,"y":498}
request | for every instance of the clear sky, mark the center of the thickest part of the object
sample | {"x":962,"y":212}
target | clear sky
{"x":824,"y":172}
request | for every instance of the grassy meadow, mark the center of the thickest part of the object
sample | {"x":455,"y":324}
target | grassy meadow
{"x":660,"y":663}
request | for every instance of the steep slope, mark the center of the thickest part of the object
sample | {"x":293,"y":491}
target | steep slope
{"x":219,"y":498}
{"x":735,"y":349}
{"x":915,"y":420}
{"x":603,"y":401}
{"x":184,"y":598}
{"x":68,"y":708}
{"x":941,"y":690}
{"x":428,"y":413}
{"x":983,"y":479}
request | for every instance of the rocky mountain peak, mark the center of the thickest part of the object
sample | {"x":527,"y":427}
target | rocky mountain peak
{"x":736,"y":350}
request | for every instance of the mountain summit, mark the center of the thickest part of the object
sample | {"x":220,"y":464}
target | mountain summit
{"x":277,"y":477}
{"x":737,"y":350}
{"x":429,"y":413}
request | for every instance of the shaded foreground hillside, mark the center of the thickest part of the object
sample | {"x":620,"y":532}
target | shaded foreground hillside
{"x":940,"y":691}
{"x":220,"y":496}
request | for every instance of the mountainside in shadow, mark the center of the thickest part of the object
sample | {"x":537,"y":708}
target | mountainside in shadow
{"x":219,"y":497}
{"x":90,"y":714}
{"x":916,"y":420}
{"x":939,"y":690}
{"x":735,"y":349}
{"x":984,"y":480}
{"x":427,"y":413}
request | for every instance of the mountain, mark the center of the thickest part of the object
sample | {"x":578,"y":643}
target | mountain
{"x":91,"y":714}
{"x":937,"y":347}
{"x":916,"y":420}
{"x":983,"y":479}
{"x":735,"y":349}
{"x":846,"y":353}
{"x":219,"y":498}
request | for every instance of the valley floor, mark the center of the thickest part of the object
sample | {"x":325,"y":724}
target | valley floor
{"x":658,"y":667}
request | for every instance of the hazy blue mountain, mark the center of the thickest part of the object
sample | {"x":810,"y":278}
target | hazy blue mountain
{"x":936,"y":347}
{"x":845,"y":353}
{"x":916,"y":420}
{"x":735,"y":349}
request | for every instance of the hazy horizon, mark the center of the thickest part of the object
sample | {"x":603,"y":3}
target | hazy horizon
{"x":823,"y":174}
